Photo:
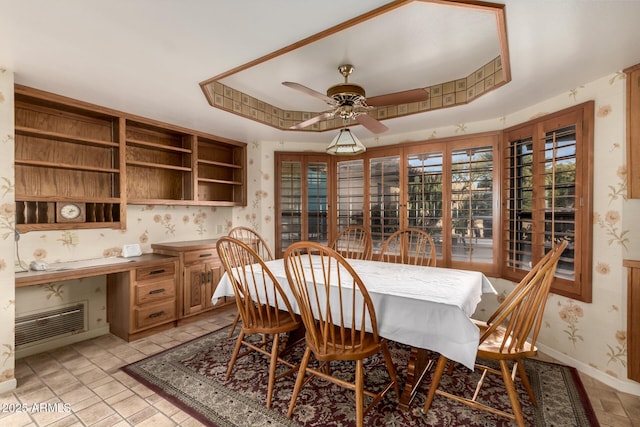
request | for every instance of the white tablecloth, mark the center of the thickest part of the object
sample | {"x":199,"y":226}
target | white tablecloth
{"x":425,"y":307}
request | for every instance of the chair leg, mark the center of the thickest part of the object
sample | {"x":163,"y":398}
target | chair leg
{"x":511,"y":391}
{"x":299,"y":380}
{"x":272,"y":368}
{"x":234,"y":356}
{"x":359,"y":393}
{"x":235,"y":323}
{"x":526,"y":383}
{"x":435,"y":381}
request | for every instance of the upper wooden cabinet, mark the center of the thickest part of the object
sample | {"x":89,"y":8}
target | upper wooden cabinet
{"x":633,"y":131}
{"x":68,"y":151}
{"x":220,"y":172}
{"x":159,"y":164}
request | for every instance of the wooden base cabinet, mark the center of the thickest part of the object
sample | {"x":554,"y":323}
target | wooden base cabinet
{"x":143,"y":301}
{"x":200,"y":271}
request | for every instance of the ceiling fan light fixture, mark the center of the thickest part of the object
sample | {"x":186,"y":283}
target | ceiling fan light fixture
{"x":345,"y":144}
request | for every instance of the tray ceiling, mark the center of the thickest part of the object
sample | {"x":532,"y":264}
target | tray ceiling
{"x":456,"y":51}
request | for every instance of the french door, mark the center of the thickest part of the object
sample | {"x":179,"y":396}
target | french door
{"x":302,"y":199}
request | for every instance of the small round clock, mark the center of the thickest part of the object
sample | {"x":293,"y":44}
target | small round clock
{"x":70,"y":212}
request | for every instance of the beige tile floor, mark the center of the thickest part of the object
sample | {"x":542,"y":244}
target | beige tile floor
{"x":81,"y":385}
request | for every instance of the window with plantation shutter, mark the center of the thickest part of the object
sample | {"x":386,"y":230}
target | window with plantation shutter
{"x":547,"y":197}
{"x":472,"y":205}
{"x":302,"y":199}
{"x":452,"y":194}
{"x":350,"y":194}
{"x":425,"y":194}
{"x":384,"y":198}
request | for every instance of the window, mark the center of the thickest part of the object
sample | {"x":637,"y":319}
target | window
{"x":425,"y":194}
{"x":350,"y":178}
{"x":494,"y":202}
{"x":547,"y":195}
{"x":384,"y":198}
{"x":301,"y":199}
{"x":452,"y":194}
{"x":446,"y":188}
{"x":472,"y":205}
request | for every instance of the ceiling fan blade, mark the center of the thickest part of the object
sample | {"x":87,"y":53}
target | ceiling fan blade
{"x":370,"y":123}
{"x":312,"y":120}
{"x":404,"y":97}
{"x":309,"y":91}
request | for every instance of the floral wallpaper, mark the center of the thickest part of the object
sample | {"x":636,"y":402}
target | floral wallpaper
{"x":591,"y":337}
{"x":7,"y":225}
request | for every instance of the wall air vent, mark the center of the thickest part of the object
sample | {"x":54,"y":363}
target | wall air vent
{"x":50,"y":324}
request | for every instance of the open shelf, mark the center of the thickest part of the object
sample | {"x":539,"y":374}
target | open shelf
{"x":71,"y":151}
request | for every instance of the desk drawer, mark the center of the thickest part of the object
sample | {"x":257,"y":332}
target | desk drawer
{"x":151,"y":291}
{"x":202,"y":255}
{"x":154,"y":314}
{"x":155,"y":271}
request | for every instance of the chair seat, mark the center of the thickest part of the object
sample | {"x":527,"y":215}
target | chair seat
{"x":284,"y":323}
{"x":490,"y":347}
{"x":346,"y":351}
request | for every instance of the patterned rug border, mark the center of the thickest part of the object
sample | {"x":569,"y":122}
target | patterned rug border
{"x":205,"y":416}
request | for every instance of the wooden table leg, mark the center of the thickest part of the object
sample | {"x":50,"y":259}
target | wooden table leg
{"x":292,"y":339}
{"x":418,"y":365}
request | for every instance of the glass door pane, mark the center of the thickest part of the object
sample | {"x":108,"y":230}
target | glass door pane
{"x":384,"y":190}
{"x":317,"y":201}
{"x":290,"y":203}
{"x":424,"y":195}
{"x":560,"y":196}
{"x":472,"y":204}
{"x":350,"y":209}
{"x":520,"y":204}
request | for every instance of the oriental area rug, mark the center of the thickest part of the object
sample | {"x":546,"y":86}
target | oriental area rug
{"x":192,"y":376}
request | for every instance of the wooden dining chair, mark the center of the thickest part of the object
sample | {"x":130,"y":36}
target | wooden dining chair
{"x":262,"y":304}
{"x":254,"y":240}
{"x":509,"y":335}
{"x":353,"y":242}
{"x":339,"y":319}
{"x":409,"y":246}
{"x":258,"y":244}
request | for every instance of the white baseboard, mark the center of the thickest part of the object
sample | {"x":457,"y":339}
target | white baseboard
{"x":29,"y":350}
{"x":8,"y":385}
{"x":626,"y":386}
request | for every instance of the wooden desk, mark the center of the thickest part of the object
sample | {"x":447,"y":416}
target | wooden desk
{"x":30,"y":278}
{"x":141,"y":293}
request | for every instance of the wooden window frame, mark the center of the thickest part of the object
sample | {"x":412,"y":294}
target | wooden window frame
{"x":582,"y":116}
{"x":305,"y":159}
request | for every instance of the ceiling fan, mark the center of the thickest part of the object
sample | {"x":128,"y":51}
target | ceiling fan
{"x":348,"y":101}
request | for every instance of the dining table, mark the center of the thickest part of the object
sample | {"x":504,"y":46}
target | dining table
{"x":426,"y":308}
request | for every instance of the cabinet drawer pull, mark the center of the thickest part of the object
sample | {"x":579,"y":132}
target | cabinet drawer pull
{"x":157,"y":271}
{"x":156,"y":314}
{"x":209,"y":276}
{"x":156,"y":291}
{"x":205,"y":255}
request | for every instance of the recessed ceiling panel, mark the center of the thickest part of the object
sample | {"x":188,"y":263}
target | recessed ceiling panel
{"x":422,"y":44}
